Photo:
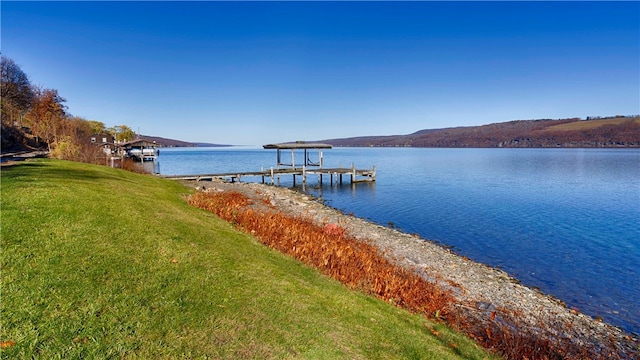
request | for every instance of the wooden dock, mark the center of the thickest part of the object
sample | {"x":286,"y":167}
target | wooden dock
{"x":355,"y":175}
{"x":290,"y":167}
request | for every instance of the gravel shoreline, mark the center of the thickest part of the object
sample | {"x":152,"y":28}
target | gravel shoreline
{"x":481,"y":290}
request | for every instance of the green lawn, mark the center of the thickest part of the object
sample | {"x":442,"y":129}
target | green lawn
{"x":103,"y":263}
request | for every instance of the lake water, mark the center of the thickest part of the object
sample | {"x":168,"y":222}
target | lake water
{"x":564,"y":220}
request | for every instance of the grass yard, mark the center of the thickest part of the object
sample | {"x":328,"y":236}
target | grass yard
{"x":103,"y":263}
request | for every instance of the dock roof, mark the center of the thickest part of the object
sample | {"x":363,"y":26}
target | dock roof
{"x":297,"y":145}
{"x":139,"y":142}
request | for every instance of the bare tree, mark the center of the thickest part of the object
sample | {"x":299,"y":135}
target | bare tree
{"x":16,"y":91}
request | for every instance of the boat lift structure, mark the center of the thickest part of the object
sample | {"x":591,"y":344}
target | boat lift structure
{"x":297,"y":146}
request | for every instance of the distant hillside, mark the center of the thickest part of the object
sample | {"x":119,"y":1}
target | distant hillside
{"x":616,"y":131}
{"x":177,"y":143}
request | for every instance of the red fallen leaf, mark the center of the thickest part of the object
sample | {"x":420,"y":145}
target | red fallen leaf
{"x":333,"y":229}
{"x":6,"y":344}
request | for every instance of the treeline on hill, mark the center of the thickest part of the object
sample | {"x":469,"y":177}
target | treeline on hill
{"x":616,"y":131}
{"x":36,"y":118}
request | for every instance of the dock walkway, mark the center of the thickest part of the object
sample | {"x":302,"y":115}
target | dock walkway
{"x":355,"y":175}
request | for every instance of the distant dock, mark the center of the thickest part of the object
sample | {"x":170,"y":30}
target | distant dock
{"x":303,"y":170}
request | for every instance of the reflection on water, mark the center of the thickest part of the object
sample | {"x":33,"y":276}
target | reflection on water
{"x":150,"y":167}
{"x":328,"y":190}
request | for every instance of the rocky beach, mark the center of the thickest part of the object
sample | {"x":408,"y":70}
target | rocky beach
{"x":483,"y":293}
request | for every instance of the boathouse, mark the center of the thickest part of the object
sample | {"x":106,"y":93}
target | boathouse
{"x":140,"y":150}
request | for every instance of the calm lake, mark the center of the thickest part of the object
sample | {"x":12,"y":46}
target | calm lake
{"x":564,"y":220}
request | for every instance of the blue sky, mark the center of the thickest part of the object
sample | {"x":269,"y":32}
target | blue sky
{"x":253,"y":73}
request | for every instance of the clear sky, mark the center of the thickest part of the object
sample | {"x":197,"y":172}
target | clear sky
{"x":253,"y":73}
